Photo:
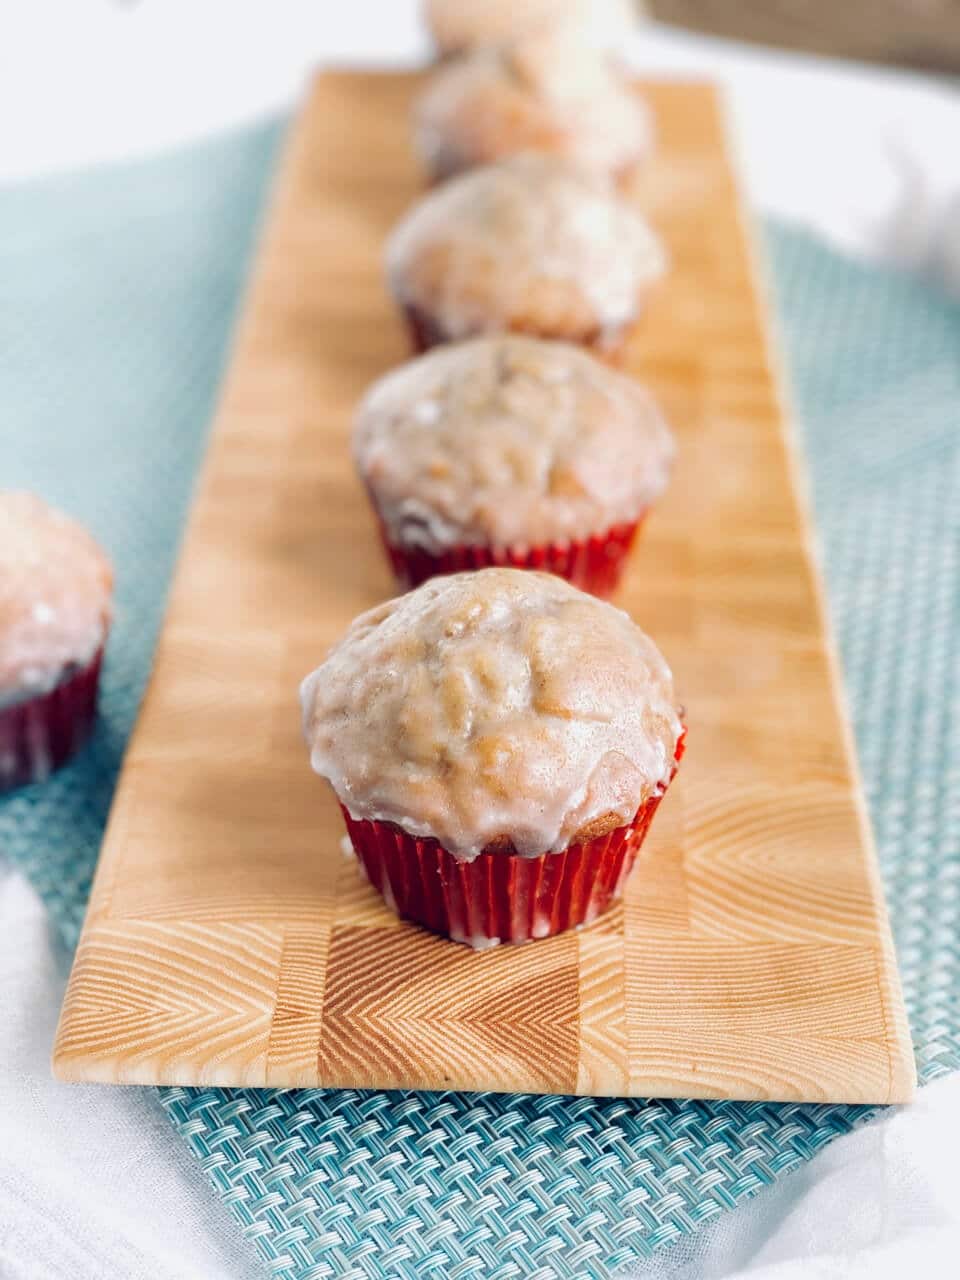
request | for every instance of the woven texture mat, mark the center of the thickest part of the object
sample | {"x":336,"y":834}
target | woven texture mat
{"x":117,"y":296}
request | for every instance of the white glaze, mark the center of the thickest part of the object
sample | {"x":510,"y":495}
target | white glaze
{"x":54,"y":596}
{"x":491,"y":704}
{"x":463,"y":24}
{"x":509,"y":442}
{"x":544,"y":92}
{"x":530,"y":243}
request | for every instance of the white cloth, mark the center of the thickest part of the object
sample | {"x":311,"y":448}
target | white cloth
{"x":881,"y":1202}
{"x":93,"y":1182}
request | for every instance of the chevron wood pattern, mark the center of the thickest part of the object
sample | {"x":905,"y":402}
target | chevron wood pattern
{"x":230,"y":941}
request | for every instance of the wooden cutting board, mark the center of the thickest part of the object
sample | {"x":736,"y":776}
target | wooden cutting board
{"x":230,"y":941}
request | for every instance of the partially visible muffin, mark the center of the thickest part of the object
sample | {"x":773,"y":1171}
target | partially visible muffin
{"x":499,"y":743}
{"x":511,"y":450}
{"x":55,"y":609}
{"x":532,"y":245}
{"x":538,"y":93}
{"x":458,"y":26}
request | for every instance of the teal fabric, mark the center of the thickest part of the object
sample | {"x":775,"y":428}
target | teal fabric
{"x":117,"y":292}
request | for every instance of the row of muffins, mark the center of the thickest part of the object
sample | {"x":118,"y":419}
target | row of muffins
{"x":498,"y":740}
{"x":504,"y":449}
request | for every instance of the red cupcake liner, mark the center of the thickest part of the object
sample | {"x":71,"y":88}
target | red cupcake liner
{"x":606,"y":345}
{"x":594,"y":564}
{"x":499,"y":897}
{"x":41,"y":733}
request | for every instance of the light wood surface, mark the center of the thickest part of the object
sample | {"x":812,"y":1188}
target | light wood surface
{"x":230,"y":941}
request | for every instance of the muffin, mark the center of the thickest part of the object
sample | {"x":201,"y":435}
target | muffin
{"x":499,"y":743}
{"x":55,"y":591}
{"x":510,"y":451}
{"x":460,"y":25}
{"x":531,"y":245}
{"x":539,"y":93}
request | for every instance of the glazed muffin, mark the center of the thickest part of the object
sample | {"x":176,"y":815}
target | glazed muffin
{"x":55,"y":592}
{"x":499,"y":743}
{"x":540,"y":93}
{"x":460,"y":25}
{"x":531,"y":245}
{"x":510,"y":451}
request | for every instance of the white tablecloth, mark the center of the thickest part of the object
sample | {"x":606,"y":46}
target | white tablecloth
{"x":90,"y":1179}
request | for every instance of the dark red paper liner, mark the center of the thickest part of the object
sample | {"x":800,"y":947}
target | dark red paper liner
{"x":606,"y":345}
{"x":40,"y":734}
{"x":499,"y":897}
{"x":594,"y":564}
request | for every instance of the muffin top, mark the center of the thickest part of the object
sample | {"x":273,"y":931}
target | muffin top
{"x":532,"y":244}
{"x":543,"y":92}
{"x":501,"y":710}
{"x":55,"y":587}
{"x":458,"y":25}
{"x":509,"y":441}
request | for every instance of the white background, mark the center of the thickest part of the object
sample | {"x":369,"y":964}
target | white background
{"x":90,"y":1180}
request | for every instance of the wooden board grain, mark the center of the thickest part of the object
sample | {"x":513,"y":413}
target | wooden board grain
{"x":229,"y":941}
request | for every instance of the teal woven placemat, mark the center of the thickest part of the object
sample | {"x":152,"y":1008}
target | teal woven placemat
{"x":117,"y":292}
